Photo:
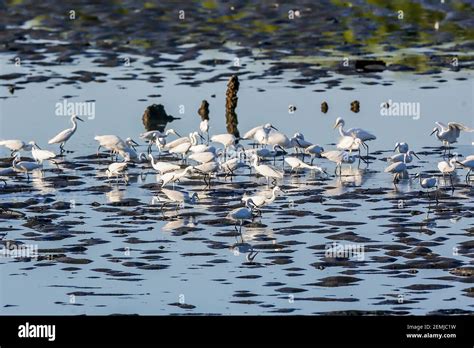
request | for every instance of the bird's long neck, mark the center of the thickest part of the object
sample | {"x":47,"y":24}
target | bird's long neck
{"x":342,"y":132}
{"x":273,"y":197}
{"x":152,"y":161}
{"x":255,"y":161}
{"x":74,"y":123}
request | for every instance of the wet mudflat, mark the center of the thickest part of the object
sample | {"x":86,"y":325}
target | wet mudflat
{"x":105,"y":247}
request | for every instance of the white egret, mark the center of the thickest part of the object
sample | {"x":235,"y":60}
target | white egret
{"x":163,"y":167}
{"x":277,"y":150}
{"x":117,"y":169}
{"x":204,"y":128}
{"x":469,"y":164}
{"x":448,"y":168}
{"x":179,"y":197}
{"x":267,"y":171}
{"x":240,"y":215}
{"x":449,"y":134}
{"x":298,"y":141}
{"x":296,"y":163}
{"x":262,"y":133}
{"x":15,"y":145}
{"x":153,"y":136}
{"x":278,"y":138}
{"x":261,"y":199}
{"x":230,"y":166}
{"x":225,"y":139}
{"x":401,"y":147}
{"x":25,"y":166}
{"x":174,"y":143}
{"x":314,"y":151}
{"x":62,"y":137}
{"x":40,"y":155}
{"x":400,"y":157}
{"x":203,"y":157}
{"x":348,"y":143}
{"x":428,"y":183}
{"x":338,"y":157}
{"x":359,"y":133}
{"x":207,"y":169}
{"x":181,"y":149}
{"x":249,"y":135}
{"x":172,"y":177}
{"x":110,"y":142}
{"x":398,"y":169}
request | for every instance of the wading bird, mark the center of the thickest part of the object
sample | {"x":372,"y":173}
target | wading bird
{"x":469,"y":164}
{"x":117,"y":169}
{"x":267,"y":171}
{"x":207,"y":170}
{"x":179,"y":197}
{"x":428,"y":183}
{"x":314,"y":151}
{"x":172,"y":177}
{"x":398,"y":169}
{"x":449,"y":134}
{"x":163,"y":167}
{"x":40,"y":155}
{"x":401,"y":147}
{"x":154,"y":135}
{"x":359,"y":133}
{"x":261,"y":199}
{"x":225,"y":139}
{"x":62,"y":137}
{"x":240,"y":215}
{"x":25,"y":166}
{"x":204,"y":128}
{"x":400,"y":157}
{"x":296,"y":163}
{"x":15,"y":146}
{"x":338,"y":157}
{"x":448,"y":168}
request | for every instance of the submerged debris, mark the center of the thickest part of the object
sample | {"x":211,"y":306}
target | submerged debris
{"x":155,"y":117}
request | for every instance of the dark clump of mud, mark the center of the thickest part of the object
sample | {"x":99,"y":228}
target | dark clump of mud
{"x":156,"y":118}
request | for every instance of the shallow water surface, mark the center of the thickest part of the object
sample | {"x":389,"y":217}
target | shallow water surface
{"x":105,"y":247}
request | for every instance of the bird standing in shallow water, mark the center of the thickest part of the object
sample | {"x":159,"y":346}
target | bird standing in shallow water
{"x":66,"y":134}
{"x":117,"y":169}
{"x":25,"y":167}
{"x":467,"y":163}
{"x":267,"y":171}
{"x":239,"y":215}
{"x":359,"y":133}
{"x":401,"y":147}
{"x":15,"y":146}
{"x":448,"y":168}
{"x":428,"y":183}
{"x":40,"y":155}
{"x":338,"y":157}
{"x":449,"y":134}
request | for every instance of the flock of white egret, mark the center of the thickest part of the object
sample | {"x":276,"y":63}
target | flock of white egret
{"x":268,"y":143}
